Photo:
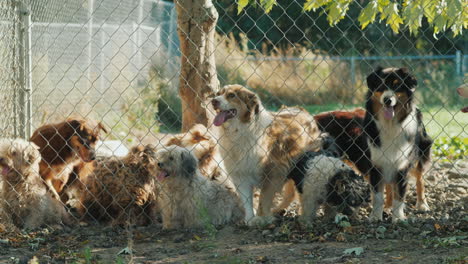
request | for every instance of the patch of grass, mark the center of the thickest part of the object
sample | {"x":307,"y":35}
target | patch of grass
{"x":449,"y":149}
{"x":456,"y":260}
{"x":209,"y":228}
{"x":444,"y":242}
{"x":443,"y":121}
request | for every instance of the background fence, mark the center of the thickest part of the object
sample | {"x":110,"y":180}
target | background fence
{"x":88,"y":57}
{"x":94,"y":57}
{"x":118,"y":61}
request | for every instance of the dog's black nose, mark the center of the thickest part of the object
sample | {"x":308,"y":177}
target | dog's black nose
{"x":160,"y":165}
{"x":387,"y":101}
{"x":215,"y":103}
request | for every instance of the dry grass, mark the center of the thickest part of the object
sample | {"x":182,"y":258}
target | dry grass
{"x":308,"y":79}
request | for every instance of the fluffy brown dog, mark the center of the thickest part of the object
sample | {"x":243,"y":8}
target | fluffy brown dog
{"x":25,"y":198}
{"x":188,"y":199}
{"x":121,"y":189}
{"x":63,"y":146}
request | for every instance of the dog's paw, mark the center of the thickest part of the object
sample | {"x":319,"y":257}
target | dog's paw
{"x":422,"y":206}
{"x":260,"y":221}
{"x":375,"y":217}
{"x":396,"y":219}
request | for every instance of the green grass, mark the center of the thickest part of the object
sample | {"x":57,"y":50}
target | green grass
{"x":440,"y":121}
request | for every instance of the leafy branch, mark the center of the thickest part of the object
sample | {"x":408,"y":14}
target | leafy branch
{"x":440,"y":14}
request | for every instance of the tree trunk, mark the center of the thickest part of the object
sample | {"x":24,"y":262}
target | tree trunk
{"x":196,"y":21}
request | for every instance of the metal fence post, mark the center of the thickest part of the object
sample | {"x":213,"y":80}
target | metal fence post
{"x":458,"y":63}
{"x":90,"y":41}
{"x":25,"y":71}
{"x":353,"y":73}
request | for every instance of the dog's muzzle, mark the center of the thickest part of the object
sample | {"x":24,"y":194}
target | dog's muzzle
{"x":216,"y":104}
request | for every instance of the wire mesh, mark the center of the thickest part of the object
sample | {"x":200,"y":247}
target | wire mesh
{"x":102,"y":65}
{"x":9,"y":18}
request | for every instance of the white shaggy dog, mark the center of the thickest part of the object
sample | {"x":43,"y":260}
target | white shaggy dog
{"x":26,"y":201}
{"x":187,"y":199}
{"x":258,"y":146}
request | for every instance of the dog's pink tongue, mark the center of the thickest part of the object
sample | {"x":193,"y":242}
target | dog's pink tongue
{"x":220,"y":118}
{"x":389,"y":113}
{"x":161,"y":176}
{"x":5,"y":170}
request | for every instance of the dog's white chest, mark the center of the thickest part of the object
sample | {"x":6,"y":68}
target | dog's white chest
{"x":396,"y":146}
{"x":243,"y":149}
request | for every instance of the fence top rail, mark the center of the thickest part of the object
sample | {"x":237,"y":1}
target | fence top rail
{"x":408,"y":57}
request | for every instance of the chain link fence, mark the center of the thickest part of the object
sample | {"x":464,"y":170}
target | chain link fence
{"x":117,"y":63}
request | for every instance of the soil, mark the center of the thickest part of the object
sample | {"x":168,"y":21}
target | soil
{"x":438,"y":236}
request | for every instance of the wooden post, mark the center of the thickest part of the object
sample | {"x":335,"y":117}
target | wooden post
{"x":196,"y":20}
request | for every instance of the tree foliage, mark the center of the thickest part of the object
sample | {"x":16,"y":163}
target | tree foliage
{"x":440,"y":14}
{"x":288,"y":25}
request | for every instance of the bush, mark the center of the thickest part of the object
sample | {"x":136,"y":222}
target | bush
{"x":450,"y":148}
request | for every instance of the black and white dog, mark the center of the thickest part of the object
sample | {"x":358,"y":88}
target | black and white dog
{"x":396,"y":137}
{"x":322,"y":178}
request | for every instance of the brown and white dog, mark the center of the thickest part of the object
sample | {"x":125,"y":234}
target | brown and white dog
{"x":258,"y":146}
{"x":25,"y":199}
{"x":64,"y":145}
{"x":463,"y":92}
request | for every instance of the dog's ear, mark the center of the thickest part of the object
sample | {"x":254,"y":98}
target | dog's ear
{"x":76,"y":124}
{"x":102,"y":127}
{"x":408,"y":79}
{"x":147,"y":153}
{"x":137,"y":149}
{"x":253,"y":106}
{"x":374,"y":79}
{"x":189,"y":164}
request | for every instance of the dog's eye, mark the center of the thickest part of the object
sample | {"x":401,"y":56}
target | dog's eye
{"x":171,"y":158}
{"x":230,"y":95}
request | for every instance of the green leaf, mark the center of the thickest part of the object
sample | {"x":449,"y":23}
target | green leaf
{"x":368,"y":14}
{"x":267,"y":5}
{"x":241,"y":4}
{"x":393,"y":19}
{"x":337,"y":10}
{"x":356,"y":251}
{"x":314,"y":4}
{"x":429,"y":7}
{"x":412,"y":15}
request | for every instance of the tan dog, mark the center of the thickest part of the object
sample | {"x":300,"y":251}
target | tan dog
{"x":63,"y":146}
{"x":121,"y":189}
{"x":25,"y":198}
{"x":188,"y":199}
{"x":258,"y":146}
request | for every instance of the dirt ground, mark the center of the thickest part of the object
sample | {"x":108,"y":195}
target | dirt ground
{"x":438,"y":236}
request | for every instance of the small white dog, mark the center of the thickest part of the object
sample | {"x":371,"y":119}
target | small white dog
{"x":187,"y":199}
{"x":321,"y":179}
{"x":26,"y":201}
